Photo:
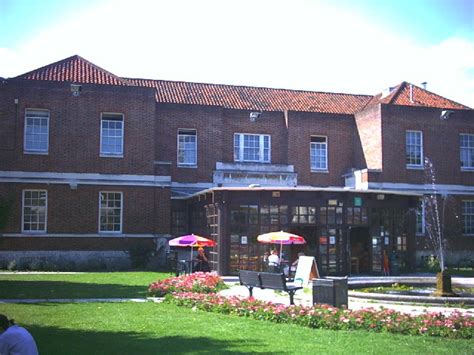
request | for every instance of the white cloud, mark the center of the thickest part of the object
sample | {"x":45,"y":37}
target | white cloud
{"x":299,"y":45}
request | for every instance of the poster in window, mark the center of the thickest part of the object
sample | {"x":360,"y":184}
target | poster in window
{"x":243,"y":239}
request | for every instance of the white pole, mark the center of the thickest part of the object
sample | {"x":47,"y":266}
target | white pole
{"x":191,"y":261}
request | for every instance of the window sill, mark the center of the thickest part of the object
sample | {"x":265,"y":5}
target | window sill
{"x":110,"y":233}
{"x":251,"y":162}
{"x":468,"y":235}
{"x":467,"y":170}
{"x":414,"y":167}
{"x":187,"y":166}
{"x":33,"y":233}
{"x":30,"y":152}
{"x":320,"y":171}
{"x":110,"y":156}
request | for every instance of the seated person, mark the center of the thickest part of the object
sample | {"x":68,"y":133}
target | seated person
{"x":15,"y":339}
{"x":274,"y":262}
{"x":202,"y":262}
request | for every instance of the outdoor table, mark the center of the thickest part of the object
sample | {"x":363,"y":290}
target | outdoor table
{"x":187,"y":265}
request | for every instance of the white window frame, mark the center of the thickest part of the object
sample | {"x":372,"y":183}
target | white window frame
{"x":470,"y":151}
{"x":261,"y":148}
{"x":112,"y":154}
{"x":410,"y":165}
{"x":181,"y":146}
{"x":45,"y":207}
{"x":420,"y":213}
{"x":313,"y":148}
{"x":465,"y":230}
{"x":26,"y":150}
{"x":121,"y":212}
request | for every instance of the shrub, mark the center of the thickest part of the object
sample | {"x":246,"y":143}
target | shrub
{"x":200,"y":282}
{"x":140,"y":256}
{"x":11,"y":266}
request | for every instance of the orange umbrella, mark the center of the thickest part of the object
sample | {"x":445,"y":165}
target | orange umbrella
{"x":281,"y":238}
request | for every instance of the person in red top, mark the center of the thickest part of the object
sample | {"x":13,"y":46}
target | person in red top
{"x":202,"y":261}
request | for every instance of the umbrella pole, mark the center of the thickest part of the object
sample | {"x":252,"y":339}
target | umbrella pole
{"x":281,"y":250}
{"x":191,"y":261}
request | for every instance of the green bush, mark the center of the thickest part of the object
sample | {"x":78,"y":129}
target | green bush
{"x":140,"y":256}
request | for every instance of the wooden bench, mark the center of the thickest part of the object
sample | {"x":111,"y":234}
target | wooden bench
{"x":251,"y":279}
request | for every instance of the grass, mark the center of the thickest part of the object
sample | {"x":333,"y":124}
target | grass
{"x":148,"y":328}
{"x":463,"y":271}
{"x":81,"y":285}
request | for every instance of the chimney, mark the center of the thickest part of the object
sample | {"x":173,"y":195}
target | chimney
{"x":424,"y":83}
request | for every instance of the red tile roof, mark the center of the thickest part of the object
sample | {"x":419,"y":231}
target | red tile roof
{"x":253,"y":98}
{"x":74,"y":69}
{"x":400,"y":95}
{"x":78,"y":70}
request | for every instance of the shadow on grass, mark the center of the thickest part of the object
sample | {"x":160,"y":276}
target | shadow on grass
{"x":61,"y":289}
{"x":52,"y":340}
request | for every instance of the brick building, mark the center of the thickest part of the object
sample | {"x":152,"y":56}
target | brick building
{"x":93,"y":165}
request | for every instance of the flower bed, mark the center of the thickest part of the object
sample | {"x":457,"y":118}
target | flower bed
{"x":326,"y":317}
{"x":201,"y":282}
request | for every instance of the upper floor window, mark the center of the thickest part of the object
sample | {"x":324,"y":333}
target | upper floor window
{"x":303,"y":215}
{"x":468,"y":217}
{"x":252,"y":148}
{"x":466,"y":145}
{"x":111,"y":135}
{"x":414,"y":149}
{"x":187,"y":147}
{"x":34,"y":210}
{"x":110,"y":212}
{"x":36,"y":131}
{"x":319,"y":153}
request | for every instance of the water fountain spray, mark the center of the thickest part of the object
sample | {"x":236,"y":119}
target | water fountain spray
{"x":433,"y":223}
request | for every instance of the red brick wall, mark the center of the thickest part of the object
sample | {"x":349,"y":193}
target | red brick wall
{"x":215,"y":129}
{"x":440,"y":143}
{"x":369,"y":126}
{"x":207,"y":121}
{"x":339,"y":130}
{"x":146,"y":210}
{"x":74,"y":132}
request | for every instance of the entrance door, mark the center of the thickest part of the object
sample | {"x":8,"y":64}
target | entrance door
{"x":360,"y":250}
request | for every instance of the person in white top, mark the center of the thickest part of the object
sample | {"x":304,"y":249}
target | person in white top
{"x":15,"y":340}
{"x":274,"y":261}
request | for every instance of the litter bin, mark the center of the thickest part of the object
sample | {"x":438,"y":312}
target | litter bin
{"x":332,"y":291}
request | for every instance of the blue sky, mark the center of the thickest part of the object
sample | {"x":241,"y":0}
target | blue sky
{"x":350,"y":46}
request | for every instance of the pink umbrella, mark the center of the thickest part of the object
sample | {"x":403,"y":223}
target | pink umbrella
{"x":191,"y":240}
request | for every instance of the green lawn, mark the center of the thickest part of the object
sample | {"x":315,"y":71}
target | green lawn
{"x":83,"y":285}
{"x":148,"y":328}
